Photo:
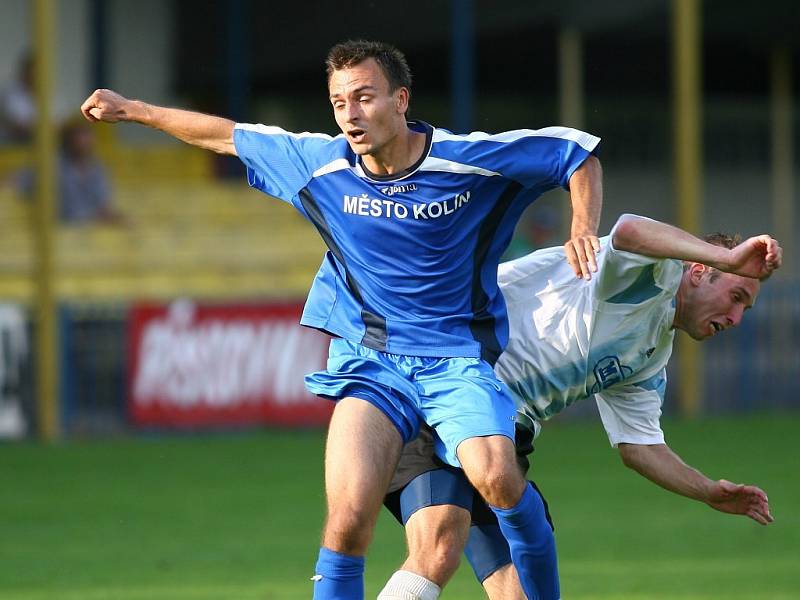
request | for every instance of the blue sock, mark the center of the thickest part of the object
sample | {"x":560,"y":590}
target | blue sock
{"x":533,"y":547}
{"x":338,"y":576}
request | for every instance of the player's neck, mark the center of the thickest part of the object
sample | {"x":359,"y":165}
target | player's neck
{"x":680,"y":306}
{"x":398,"y":154}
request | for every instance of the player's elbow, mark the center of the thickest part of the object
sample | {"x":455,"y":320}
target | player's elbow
{"x":226,"y":148}
{"x":627,"y":233}
{"x":217,"y":145}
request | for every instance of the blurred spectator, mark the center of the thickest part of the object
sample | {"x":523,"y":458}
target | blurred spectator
{"x":538,"y":228}
{"x":84,"y":190}
{"x":17,"y":105}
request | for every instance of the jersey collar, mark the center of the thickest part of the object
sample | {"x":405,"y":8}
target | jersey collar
{"x":419,"y":126}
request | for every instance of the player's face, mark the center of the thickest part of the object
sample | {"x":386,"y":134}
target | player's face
{"x":712,"y":305}
{"x":366,"y":111}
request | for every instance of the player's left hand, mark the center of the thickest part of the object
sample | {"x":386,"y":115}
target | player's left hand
{"x":756,"y":257}
{"x":581,"y":251}
{"x":740,"y":499}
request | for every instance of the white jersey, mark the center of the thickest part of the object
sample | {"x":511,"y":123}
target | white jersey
{"x":610,"y":337}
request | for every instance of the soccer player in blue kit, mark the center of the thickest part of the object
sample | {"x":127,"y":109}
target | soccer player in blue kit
{"x":415,"y":219}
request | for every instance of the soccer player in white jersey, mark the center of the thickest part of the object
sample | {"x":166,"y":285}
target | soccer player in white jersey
{"x":415,"y":219}
{"x":609,"y":338}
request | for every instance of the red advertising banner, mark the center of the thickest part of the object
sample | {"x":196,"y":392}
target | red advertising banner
{"x":208,"y":366}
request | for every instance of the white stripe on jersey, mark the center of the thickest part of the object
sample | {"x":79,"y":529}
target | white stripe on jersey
{"x":340,"y":164}
{"x":273,"y":130}
{"x":449,"y":166}
{"x":583,"y":139}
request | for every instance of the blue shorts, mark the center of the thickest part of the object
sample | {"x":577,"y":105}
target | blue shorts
{"x":460,"y":398}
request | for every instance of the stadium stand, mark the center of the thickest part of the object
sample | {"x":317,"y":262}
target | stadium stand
{"x":186,"y":234}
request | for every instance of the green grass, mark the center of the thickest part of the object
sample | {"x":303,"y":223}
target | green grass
{"x":238,"y":517}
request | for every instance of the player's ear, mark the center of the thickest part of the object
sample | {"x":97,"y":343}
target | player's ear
{"x":696,"y":272}
{"x":401,"y":96}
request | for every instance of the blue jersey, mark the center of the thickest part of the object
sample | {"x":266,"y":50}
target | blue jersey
{"x":412,"y":258}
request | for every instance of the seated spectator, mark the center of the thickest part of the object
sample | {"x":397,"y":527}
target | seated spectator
{"x":84,"y":190}
{"x":17,"y":105}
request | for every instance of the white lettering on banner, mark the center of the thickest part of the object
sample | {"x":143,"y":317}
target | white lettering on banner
{"x":365,"y":206}
{"x":226,"y":363}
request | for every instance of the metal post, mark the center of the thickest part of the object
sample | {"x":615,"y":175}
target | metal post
{"x":570,"y":60}
{"x":688,"y":158}
{"x":44,"y":223}
{"x":98,"y":11}
{"x":571,"y":100}
{"x":462,"y":62}
{"x":783,"y":213}
{"x":236,"y":69}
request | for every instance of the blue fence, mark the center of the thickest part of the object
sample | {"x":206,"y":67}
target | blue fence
{"x":757,"y":366}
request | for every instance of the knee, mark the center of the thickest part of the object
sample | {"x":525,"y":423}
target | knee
{"x":500,"y":485}
{"x":438,"y":561}
{"x":348,"y":532}
{"x":491,"y":466}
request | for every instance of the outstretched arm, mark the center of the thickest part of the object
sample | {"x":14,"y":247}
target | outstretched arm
{"x":661,"y":465}
{"x":586,"y":193}
{"x":755,"y":257}
{"x":198,"y":129}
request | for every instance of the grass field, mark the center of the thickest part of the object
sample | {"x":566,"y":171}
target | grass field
{"x":238,"y":517}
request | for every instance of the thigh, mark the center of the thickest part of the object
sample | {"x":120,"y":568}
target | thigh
{"x":361,"y":454}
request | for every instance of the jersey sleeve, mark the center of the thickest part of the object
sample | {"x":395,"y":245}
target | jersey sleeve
{"x":280,"y":163}
{"x":631,"y":414}
{"x":628,"y":278}
{"x":535,"y":158}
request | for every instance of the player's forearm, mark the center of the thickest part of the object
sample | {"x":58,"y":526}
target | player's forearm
{"x":586,"y":194}
{"x":198,"y":129}
{"x":663,"y":467}
{"x":660,"y":240}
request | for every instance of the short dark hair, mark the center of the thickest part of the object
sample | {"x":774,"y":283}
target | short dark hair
{"x":724,"y":240}
{"x":391,"y":61}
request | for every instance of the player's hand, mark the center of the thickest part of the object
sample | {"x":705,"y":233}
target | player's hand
{"x":740,"y":499}
{"x":756,"y":257}
{"x":105,"y":105}
{"x":581,"y":251}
